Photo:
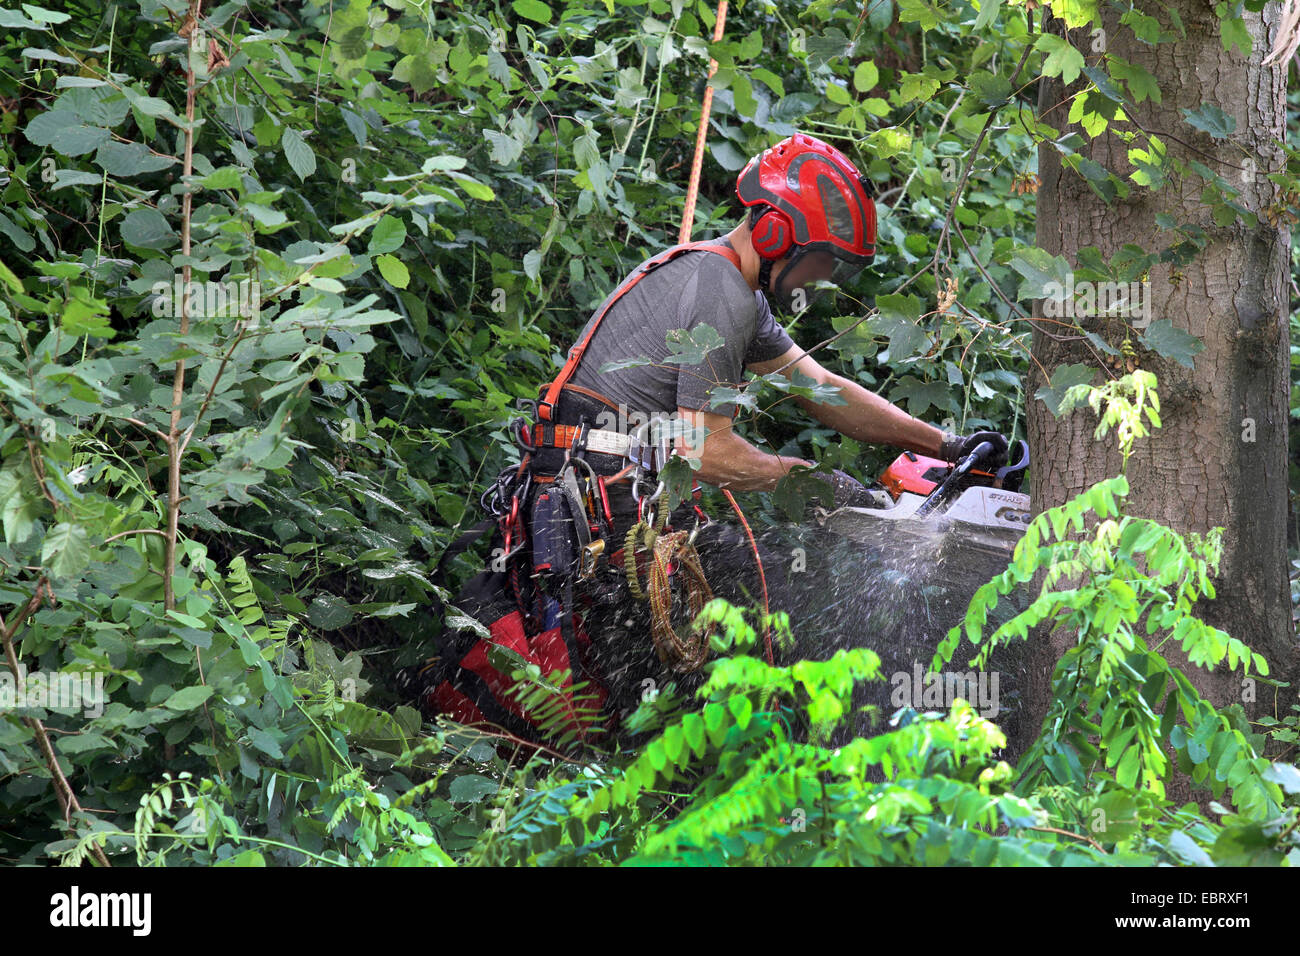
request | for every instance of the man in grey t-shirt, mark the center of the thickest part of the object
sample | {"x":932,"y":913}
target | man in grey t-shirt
{"x":810,"y":219}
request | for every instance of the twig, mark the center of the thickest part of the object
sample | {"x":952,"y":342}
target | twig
{"x":1077,"y":836}
{"x":68,"y":802}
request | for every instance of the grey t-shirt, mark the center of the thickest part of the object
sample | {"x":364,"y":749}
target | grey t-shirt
{"x":696,"y":288}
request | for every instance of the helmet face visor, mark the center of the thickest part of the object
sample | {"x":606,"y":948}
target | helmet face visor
{"x":796,"y":286}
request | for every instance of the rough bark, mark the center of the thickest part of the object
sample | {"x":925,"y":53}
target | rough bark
{"x":1197,"y":472}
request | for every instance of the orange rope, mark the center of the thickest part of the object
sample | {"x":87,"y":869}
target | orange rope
{"x":762,"y":578}
{"x":688,"y":220}
{"x":697,"y":164}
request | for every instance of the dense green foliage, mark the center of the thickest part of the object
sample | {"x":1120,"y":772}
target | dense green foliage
{"x":233,"y":515}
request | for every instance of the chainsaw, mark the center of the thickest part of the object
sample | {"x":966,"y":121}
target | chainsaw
{"x":968,"y":504}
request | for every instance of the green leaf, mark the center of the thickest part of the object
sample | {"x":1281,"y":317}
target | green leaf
{"x":389,"y":234}
{"x":394,"y":270}
{"x":66,"y":550}
{"x":728,"y":157}
{"x":533,"y":10}
{"x":1210,"y":119}
{"x":1234,"y":33}
{"x":130,"y":159}
{"x":473,"y":188}
{"x":64,"y":131}
{"x":1127,"y":771}
{"x":1064,"y":378}
{"x":443,"y":164}
{"x":505,"y":149}
{"x":188,"y":698}
{"x":1173,"y":343}
{"x":691,"y":347}
{"x":329,"y":612}
{"x":298,"y":153}
{"x":472,"y":788}
{"x":1062,"y":59}
{"x":866,"y":76}
{"x":148,"y":229}
{"x":1043,"y":272}
{"x":927,"y":15}
{"x":988,"y":11}
{"x":533,"y":263}
{"x":1285,"y":775}
{"x":899,"y":319}
{"x":13,"y":20}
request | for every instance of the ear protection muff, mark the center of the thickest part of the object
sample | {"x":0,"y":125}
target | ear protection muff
{"x":771,"y":233}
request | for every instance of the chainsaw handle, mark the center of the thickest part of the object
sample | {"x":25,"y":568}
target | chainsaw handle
{"x":977,"y":455}
{"x":944,"y":489}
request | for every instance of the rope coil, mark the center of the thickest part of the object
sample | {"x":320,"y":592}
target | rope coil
{"x":685,"y":650}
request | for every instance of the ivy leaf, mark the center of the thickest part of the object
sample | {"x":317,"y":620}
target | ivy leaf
{"x":1173,"y":343}
{"x":921,"y":395}
{"x":1062,"y":59}
{"x":917,"y":86}
{"x":389,"y":234}
{"x":899,"y":319}
{"x":66,"y":550}
{"x":298,"y":153}
{"x":721,"y":395}
{"x":692,"y":346}
{"x":920,"y":12}
{"x":991,"y":90}
{"x":1210,"y":119}
{"x":394,"y":270}
{"x":1064,"y":378}
{"x":1234,"y":33}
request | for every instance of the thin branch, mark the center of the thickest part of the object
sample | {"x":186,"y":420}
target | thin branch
{"x":123,"y":534}
{"x":68,"y":802}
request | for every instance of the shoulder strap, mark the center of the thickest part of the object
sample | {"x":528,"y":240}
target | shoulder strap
{"x":546,"y":405}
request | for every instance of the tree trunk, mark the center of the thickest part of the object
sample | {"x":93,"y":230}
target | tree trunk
{"x":1221,"y":457}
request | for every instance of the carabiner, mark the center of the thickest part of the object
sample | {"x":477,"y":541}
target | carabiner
{"x":636,"y":492}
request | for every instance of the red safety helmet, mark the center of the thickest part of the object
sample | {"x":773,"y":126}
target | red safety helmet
{"x":806,"y":197}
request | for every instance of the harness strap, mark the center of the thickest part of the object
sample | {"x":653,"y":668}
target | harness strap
{"x":546,"y":405}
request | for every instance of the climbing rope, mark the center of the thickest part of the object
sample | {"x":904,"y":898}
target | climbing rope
{"x":684,"y":649}
{"x":762,"y":578}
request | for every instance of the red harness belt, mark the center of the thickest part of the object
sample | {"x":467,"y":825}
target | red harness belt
{"x":546,"y":403}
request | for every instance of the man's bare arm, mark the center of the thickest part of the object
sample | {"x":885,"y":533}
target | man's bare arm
{"x":866,"y":417}
{"x":726,"y":459}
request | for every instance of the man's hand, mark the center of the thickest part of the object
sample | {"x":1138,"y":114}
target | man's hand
{"x":956,"y":447}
